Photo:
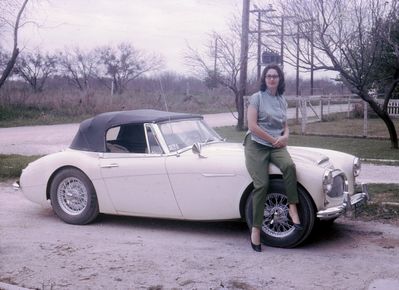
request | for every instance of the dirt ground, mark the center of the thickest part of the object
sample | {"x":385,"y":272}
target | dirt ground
{"x":39,"y":251}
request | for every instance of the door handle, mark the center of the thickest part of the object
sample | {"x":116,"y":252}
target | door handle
{"x":110,"y":165}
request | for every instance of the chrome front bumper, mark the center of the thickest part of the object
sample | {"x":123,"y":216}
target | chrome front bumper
{"x":350,"y":204}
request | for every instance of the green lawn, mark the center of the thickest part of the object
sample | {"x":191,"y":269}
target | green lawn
{"x":361,"y":147}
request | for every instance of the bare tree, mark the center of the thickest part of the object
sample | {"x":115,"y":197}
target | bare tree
{"x":219,"y":62}
{"x":15,"y":24}
{"x":78,"y":67}
{"x":35,"y":68}
{"x":223,"y":51}
{"x":348,"y":37}
{"x":124,"y":64}
{"x":3,"y":59}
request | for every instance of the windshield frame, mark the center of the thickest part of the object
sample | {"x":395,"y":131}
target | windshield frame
{"x":178,"y":137}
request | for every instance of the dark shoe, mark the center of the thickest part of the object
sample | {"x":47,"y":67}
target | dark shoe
{"x":256,"y":248}
{"x":298,"y":227}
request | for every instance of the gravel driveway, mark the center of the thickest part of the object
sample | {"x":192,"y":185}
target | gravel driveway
{"x":39,"y":251}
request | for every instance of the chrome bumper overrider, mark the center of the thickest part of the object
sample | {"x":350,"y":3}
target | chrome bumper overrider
{"x":350,"y":204}
{"x":16,"y":185}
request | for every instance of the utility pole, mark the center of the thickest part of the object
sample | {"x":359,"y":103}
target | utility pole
{"x":244,"y":64}
{"x":311,"y":56}
{"x":259,"y":66}
{"x":297,"y":73}
{"x":215,"y":62}
{"x":259,"y":33}
{"x":282,"y":41}
{"x":297,"y":59}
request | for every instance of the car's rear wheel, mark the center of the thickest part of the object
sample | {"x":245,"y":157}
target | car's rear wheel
{"x":73,"y":197}
{"x":277,"y":227}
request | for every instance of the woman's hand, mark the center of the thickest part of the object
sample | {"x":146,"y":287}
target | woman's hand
{"x":281,"y":142}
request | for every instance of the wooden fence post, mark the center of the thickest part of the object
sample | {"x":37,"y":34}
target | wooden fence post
{"x":246,"y":103}
{"x":304,"y":110}
{"x":321,"y":109}
{"x":365,"y":117}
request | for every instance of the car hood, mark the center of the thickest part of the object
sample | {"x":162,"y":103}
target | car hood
{"x":298,"y":154}
{"x":304,"y":154}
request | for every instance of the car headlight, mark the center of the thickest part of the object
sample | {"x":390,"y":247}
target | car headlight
{"x":335,"y":183}
{"x":356,"y":167}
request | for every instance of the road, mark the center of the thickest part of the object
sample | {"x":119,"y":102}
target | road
{"x":41,"y":140}
{"x":39,"y":251}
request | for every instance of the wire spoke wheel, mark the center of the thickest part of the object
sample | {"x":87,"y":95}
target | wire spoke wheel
{"x":72,"y":196}
{"x":277,"y":222}
{"x":277,"y":227}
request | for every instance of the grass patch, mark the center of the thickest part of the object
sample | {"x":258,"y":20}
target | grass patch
{"x":347,"y":127}
{"x":384,"y":203}
{"x":13,"y":116}
{"x":360,"y":147}
{"x":11,"y":165}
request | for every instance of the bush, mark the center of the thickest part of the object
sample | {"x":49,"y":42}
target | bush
{"x":358,"y":111}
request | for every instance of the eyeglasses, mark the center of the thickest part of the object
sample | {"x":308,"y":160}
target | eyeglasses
{"x":270,"y":77}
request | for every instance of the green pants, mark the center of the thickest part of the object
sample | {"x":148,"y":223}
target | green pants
{"x":257,"y":159}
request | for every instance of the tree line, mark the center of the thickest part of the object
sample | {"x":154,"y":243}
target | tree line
{"x":115,"y":67}
{"x":359,"y":40}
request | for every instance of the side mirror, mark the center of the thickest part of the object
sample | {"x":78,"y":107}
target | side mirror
{"x":197,"y":150}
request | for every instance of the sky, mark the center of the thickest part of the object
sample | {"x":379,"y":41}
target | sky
{"x":162,"y":27}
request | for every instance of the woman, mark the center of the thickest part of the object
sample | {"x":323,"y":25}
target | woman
{"x":266,"y":142}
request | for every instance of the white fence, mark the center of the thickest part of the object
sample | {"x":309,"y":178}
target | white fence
{"x":393,"y":108}
{"x":317,"y":108}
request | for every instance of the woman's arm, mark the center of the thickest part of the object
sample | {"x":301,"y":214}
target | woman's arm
{"x":252,"y":116}
{"x":282,"y":141}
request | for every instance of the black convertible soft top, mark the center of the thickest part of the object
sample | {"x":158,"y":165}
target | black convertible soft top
{"x":91,"y":133}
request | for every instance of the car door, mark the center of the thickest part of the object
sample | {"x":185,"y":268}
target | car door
{"x":206,"y":188}
{"x":138,"y":184}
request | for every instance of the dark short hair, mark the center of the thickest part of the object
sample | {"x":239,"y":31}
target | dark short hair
{"x":281,"y":82}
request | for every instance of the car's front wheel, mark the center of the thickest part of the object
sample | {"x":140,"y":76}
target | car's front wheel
{"x":277,"y":227}
{"x":73,"y":197}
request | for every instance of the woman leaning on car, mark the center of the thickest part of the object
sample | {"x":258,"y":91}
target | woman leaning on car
{"x":266,"y":141}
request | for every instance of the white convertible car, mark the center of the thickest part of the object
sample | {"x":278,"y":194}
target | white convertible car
{"x":172,"y":165}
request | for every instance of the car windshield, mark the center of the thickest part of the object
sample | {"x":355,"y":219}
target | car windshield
{"x":183,"y":134}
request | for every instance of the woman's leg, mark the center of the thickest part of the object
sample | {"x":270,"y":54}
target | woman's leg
{"x":257,"y":162}
{"x":282,"y":159}
{"x":293,"y":211}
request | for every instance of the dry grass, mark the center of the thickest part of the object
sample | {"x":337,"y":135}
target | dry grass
{"x":384,"y":203}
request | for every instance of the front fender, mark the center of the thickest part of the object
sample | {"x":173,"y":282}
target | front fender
{"x":36,"y":178}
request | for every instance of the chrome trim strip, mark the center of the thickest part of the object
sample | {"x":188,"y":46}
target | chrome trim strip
{"x":110,"y":165}
{"x":322,"y":160}
{"x":218,"y":174}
